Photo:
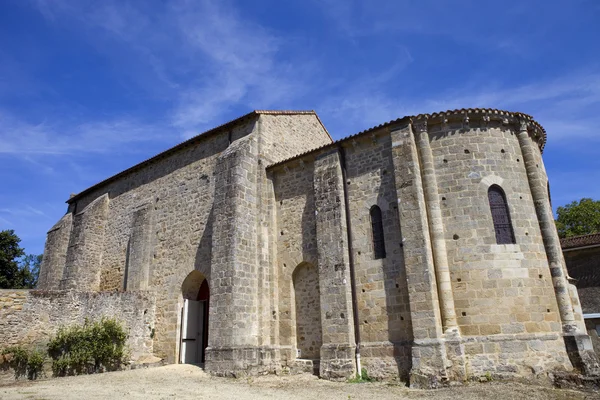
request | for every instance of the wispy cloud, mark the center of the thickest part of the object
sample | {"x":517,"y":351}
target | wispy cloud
{"x":154,"y":72}
{"x":565,"y":105}
{"x":22,"y":138}
{"x":27,"y":211}
{"x":209,"y":58}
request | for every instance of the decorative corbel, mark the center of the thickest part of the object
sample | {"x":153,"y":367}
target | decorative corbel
{"x":466,"y":121}
{"x":485,"y":121}
{"x":419,"y":125}
{"x":523,"y":125}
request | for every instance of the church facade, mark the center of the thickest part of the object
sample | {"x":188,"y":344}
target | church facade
{"x":422,"y":249}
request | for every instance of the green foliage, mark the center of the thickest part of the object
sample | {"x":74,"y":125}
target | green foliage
{"x":24,"y":363}
{"x":93,"y":347}
{"x":578,"y":218}
{"x":487,"y":377}
{"x":10,"y":251}
{"x":17,"y":270}
{"x":363,"y":377}
{"x":35,"y":364}
{"x":30,"y":269}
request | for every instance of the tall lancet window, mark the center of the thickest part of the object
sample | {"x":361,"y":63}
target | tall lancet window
{"x":501,"y":216}
{"x":377,"y":228}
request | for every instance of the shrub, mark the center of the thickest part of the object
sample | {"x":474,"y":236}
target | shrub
{"x":35,"y":364}
{"x":94,"y":347}
{"x":25,"y":363}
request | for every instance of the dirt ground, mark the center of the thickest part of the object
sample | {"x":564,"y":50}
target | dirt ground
{"x":190,"y":382}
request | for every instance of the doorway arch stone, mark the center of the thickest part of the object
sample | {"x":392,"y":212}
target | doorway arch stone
{"x":194,"y":318}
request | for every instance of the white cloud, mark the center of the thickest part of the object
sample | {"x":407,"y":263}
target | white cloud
{"x":205,"y":56}
{"x":246,"y":66}
{"x":566,"y":106}
{"x":24,"y":139}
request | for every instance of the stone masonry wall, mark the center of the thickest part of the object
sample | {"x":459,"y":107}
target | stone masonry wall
{"x":309,"y":336}
{"x":159,"y":223}
{"x":593,"y":329}
{"x":280,"y":136}
{"x":428,"y":353}
{"x":296,"y":243}
{"x":55,"y":253}
{"x":284,"y":136}
{"x":139,"y":250}
{"x":503,"y":293}
{"x":381,"y":285}
{"x":337,"y":320}
{"x":32,"y":317}
{"x":176,"y":193}
{"x":85,"y":247}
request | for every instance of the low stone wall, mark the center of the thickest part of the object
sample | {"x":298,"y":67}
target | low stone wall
{"x":31,"y":317}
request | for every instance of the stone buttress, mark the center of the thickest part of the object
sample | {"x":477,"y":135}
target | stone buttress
{"x":272,"y":213}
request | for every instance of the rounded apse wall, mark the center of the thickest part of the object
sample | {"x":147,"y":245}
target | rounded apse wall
{"x":499,"y":286}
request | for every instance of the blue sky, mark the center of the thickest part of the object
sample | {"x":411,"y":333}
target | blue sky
{"x":89,"y":88}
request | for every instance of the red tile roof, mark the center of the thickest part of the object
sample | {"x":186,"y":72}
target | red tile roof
{"x":580,"y":241}
{"x":471,"y":111}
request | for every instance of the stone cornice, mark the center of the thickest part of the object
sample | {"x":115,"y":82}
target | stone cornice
{"x":470,"y":118}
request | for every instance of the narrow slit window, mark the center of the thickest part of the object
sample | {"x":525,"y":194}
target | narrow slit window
{"x":377,"y":228}
{"x":501,"y":216}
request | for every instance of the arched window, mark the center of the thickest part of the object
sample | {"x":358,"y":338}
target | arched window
{"x":500,"y":216}
{"x":377,"y":228}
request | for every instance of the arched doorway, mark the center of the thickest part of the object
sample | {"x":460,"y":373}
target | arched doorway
{"x":194,"y":318}
{"x":308,"y":311}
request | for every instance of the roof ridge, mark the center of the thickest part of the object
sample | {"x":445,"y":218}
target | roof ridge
{"x":284,"y":112}
{"x":589,"y":239}
{"x":193,"y":139}
{"x":421,"y":116}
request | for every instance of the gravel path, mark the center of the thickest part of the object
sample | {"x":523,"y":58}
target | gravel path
{"x":190,"y":382}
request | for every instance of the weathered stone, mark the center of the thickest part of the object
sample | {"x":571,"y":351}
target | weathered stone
{"x":313,"y":252}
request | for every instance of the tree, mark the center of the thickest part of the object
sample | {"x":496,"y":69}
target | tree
{"x":30,"y":270}
{"x":578,"y":218}
{"x":17,"y":270}
{"x":10,"y":276}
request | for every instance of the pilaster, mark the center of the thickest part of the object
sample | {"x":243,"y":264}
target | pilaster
{"x":234,"y":346}
{"x":429,"y":357}
{"x":338,"y":349}
{"x":578,"y":343}
{"x":139,"y":249}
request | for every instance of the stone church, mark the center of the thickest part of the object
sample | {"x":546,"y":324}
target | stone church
{"x":422,"y":249}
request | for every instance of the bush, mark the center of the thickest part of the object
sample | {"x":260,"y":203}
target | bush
{"x":29,"y":363}
{"x":35,"y":364}
{"x":94,"y":347}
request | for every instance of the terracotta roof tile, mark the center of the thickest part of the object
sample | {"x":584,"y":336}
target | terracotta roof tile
{"x":580,"y":241}
{"x":480,"y":111}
